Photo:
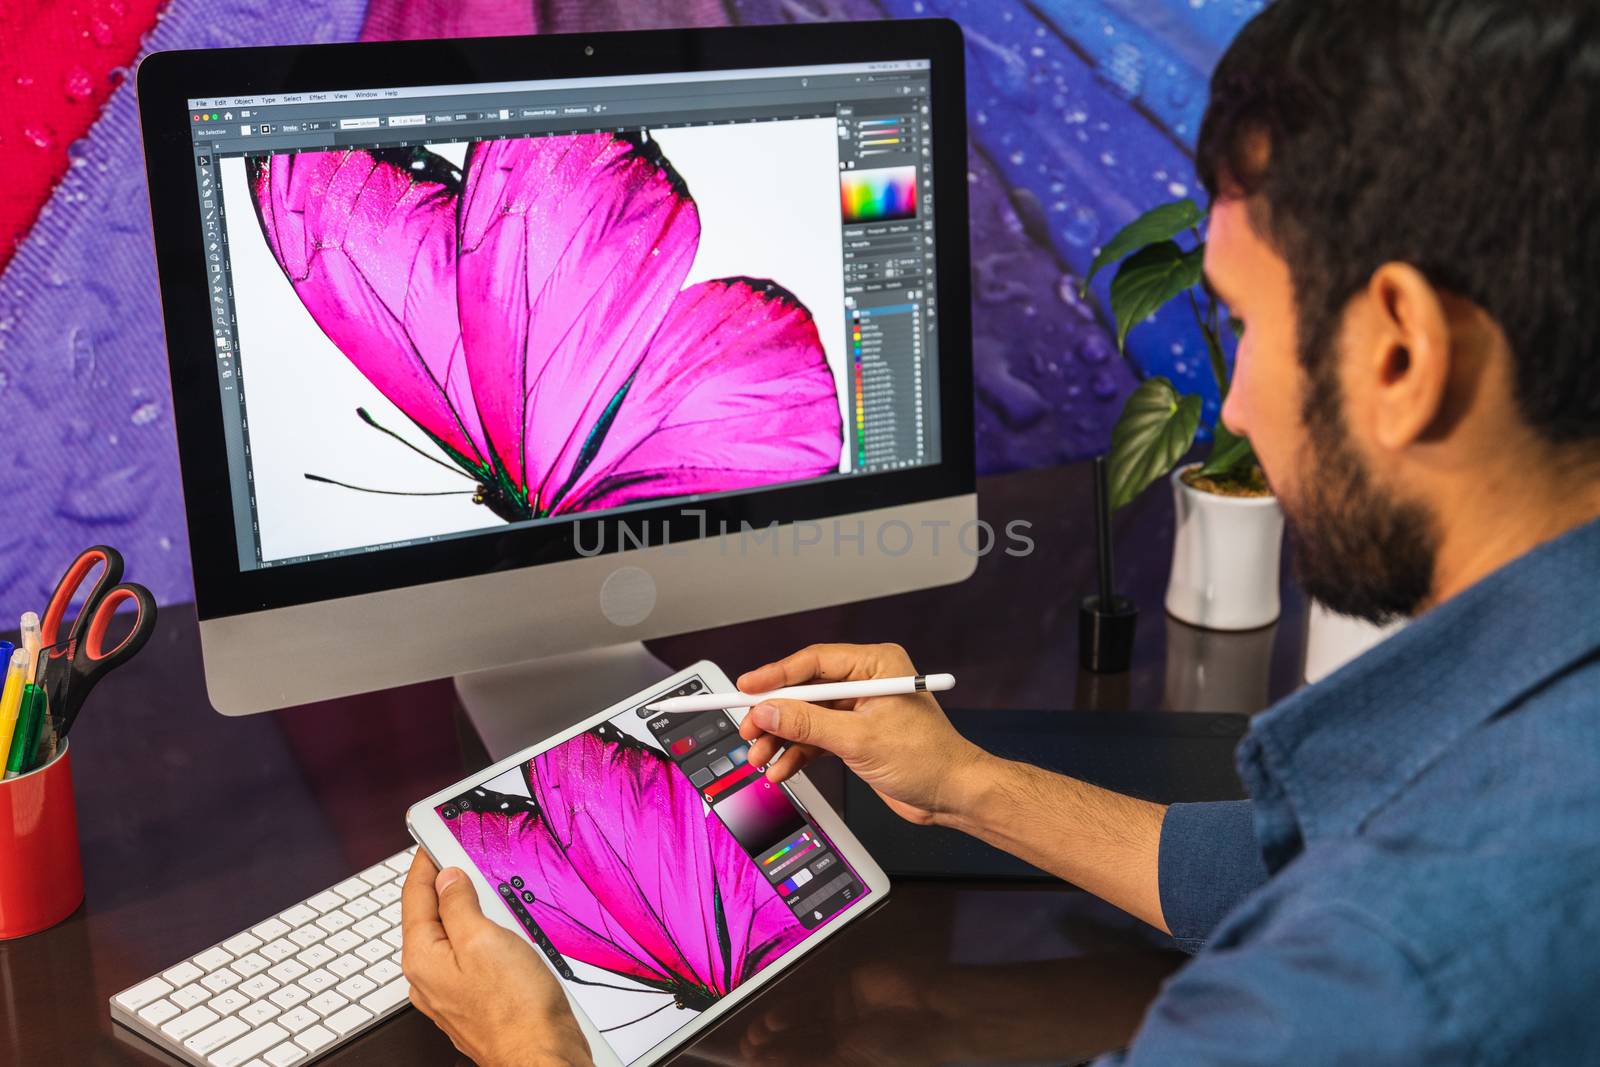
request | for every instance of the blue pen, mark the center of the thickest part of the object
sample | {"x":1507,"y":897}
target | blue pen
{"x":6,"y":648}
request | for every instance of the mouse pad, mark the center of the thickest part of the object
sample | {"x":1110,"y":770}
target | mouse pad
{"x":1156,"y":755}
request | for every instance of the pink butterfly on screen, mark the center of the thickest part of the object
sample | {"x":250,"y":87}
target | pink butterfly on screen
{"x":628,"y":870}
{"x":529,"y":316}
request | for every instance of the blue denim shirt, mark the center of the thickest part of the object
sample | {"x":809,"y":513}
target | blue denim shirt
{"x":1417,"y":879}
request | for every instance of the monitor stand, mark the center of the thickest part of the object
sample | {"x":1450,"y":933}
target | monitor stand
{"x":520,"y":705}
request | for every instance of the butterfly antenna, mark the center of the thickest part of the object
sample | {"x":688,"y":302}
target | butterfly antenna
{"x":370,"y":421}
{"x":384,"y":492}
{"x":640,"y":1019}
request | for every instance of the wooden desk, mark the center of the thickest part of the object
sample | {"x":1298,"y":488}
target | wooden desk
{"x":195,"y":826}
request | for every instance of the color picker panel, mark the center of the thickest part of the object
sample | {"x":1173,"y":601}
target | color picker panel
{"x":878,"y":195}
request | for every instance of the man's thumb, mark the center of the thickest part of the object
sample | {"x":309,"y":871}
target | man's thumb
{"x":458,"y":902}
{"x":806,"y":724}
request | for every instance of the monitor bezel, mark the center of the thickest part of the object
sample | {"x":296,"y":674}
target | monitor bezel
{"x":168,"y":80}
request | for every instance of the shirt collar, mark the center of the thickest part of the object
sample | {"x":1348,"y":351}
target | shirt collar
{"x":1328,"y":757}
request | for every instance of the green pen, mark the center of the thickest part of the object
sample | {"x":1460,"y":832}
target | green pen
{"x":25,"y":741}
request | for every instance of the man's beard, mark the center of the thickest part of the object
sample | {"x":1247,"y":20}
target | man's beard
{"x":1358,"y":549}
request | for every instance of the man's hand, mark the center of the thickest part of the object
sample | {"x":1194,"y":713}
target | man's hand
{"x":902,"y":746}
{"x":483,"y":985}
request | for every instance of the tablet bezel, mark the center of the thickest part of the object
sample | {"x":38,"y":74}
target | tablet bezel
{"x":431,"y":834}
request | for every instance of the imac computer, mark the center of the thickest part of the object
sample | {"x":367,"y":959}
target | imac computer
{"x":493,"y":358}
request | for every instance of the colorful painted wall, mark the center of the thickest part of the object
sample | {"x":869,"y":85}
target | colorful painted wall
{"x":1082,"y":115}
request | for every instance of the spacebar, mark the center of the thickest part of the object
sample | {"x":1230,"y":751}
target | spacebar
{"x":383,"y":999}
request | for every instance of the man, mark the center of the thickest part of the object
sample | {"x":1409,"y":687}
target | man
{"x":1406,"y":225}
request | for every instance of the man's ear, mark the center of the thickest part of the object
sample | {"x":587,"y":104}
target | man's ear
{"x":1408,"y":364}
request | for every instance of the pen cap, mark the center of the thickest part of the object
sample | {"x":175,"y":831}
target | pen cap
{"x":1106,"y":633}
{"x":41,"y":873}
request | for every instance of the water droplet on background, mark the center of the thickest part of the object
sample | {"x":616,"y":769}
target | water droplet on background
{"x":78,"y":86}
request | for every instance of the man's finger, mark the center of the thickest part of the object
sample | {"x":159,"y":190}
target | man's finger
{"x":807,"y":724}
{"x":419,"y":905}
{"x":790,"y":763}
{"x":828,"y":663}
{"x":458,"y":905}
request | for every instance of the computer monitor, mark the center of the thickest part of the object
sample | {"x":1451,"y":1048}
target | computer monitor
{"x":522,"y":350}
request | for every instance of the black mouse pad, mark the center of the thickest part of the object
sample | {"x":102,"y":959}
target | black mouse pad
{"x":1161,"y":756}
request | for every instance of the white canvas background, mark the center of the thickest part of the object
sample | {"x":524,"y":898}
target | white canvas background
{"x":768,"y":200}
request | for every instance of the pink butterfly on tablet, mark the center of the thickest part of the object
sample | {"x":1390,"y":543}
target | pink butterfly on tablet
{"x":628,"y":871}
{"x":529,"y":316}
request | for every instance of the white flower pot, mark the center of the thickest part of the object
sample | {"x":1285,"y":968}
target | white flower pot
{"x":1225,"y":553}
{"x":1334,"y":640}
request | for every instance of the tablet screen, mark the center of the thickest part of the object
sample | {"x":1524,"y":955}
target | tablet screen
{"x":654,"y":865}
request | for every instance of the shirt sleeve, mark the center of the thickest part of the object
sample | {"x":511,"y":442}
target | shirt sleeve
{"x":1209,"y":861}
{"x":1322,"y":988}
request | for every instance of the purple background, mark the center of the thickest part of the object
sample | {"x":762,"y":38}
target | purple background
{"x":1082,"y":115}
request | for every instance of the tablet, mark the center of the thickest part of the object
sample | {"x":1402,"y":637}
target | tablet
{"x":655,"y":869}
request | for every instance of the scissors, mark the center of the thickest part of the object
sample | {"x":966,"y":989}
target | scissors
{"x":83,"y":650}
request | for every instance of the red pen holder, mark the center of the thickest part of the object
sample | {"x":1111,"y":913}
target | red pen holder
{"x":41,"y":873}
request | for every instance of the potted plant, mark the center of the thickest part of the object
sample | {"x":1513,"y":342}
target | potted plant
{"x":1229,"y":531}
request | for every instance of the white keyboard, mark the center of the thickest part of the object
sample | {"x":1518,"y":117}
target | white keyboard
{"x":287,"y":990}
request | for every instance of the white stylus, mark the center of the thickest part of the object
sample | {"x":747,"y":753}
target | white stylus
{"x":872,"y":687}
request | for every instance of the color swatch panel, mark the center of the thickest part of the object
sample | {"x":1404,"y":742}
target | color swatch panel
{"x":878,"y":195}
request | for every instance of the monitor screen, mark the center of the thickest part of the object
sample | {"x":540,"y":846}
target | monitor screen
{"x":439,"y":311}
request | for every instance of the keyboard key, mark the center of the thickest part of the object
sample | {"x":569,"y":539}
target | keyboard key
{"x":314,"y":1037}
{"x":250,"y":963}
{"x":158,"y":1012}
{"x":284,"y":1055}
{"x":212,"y":958}
{"x":259,"y":1012}
{"x":377,"y":874}
{"x":347,"y":1019}
{"x":190,"y":995}
{"x":189,"y":1022}
{"x":399,"y":864}
{"x":356,"y":987}
{"x":249,"y":1046}
{"x":289,"y":996}
{"x":241,"y":943}
{"x":307,"y":935}
{"x":386,"y":894}
{"x":344,"y":940}
{"x":326,"y":900}
{"x":215,"y":1036}
{"x":227,"y":1003}
{"x":317,"y":955}
{"x":351,"y":888}
{"x":334,"y":921}
{"x":360,"y":907}
{"x":143,"y":993}
{"x":327,"y":1003}
{"x":393,"y":937}
{"x":317,"y":981}
{"x":382,"y":972}
{"x":345,"y":966}
{"x":272,"y":928}
{"x":390,"y":913}
{"x":370,"y":927}
{"x":217,"y":981}
{"x":373,"y":951}
{"x":182,"y":974}
{"x":257,"y":987}
{"x":280,"y":949}
{"x":298,"y":915}
{"x":287,"y":971}
{"x":297,"y":1019}
{"x":387,"y":997}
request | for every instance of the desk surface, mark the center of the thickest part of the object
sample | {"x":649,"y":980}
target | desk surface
{"x":195,"y":826}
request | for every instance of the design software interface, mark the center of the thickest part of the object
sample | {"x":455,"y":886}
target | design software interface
{"x":441,"y":310}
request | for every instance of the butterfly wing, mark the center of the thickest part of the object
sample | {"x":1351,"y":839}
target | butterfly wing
{"x":735,"y":392}
{"x":368,"y":240}
{"x":572,"y":249}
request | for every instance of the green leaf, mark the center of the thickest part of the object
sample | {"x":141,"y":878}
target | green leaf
{"x":1148,"y":279}
{"x":1229,"y":452}
{"x":1158,"y":224}
{"x":1219,"y":362}
{"x":1156,"y":428}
